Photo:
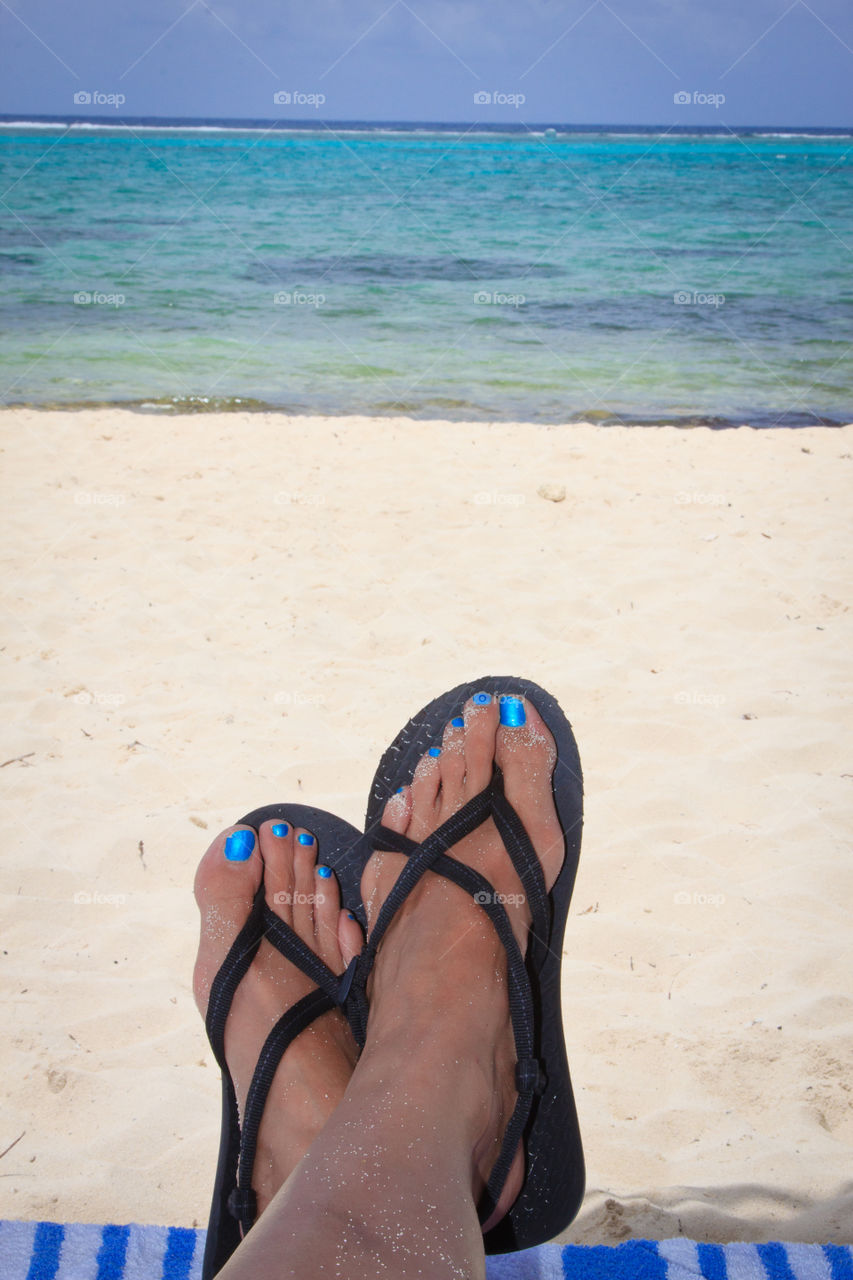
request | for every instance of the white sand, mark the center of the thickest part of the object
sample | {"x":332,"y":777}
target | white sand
{"x":208,"y":613}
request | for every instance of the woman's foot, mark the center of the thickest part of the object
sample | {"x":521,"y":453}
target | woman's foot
{"x":316,"y":1068}
{"x":438,"y":991}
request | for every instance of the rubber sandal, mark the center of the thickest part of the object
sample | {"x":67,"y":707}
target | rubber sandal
{"x":545,"y":1116}
{"x":233,"y":1206}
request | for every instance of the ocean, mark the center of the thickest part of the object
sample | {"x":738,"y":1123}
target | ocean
{"x":612,"y":275}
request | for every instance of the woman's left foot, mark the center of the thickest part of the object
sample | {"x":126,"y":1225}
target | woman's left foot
{"x":316,"y":1067}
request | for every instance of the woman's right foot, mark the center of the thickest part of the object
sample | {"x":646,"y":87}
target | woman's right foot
{"x":316,"y":1067}
{"x":438,"y":991}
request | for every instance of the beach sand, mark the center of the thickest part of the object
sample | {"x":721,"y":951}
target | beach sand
{"x":208,"y":613}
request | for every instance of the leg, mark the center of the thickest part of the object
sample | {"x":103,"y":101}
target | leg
{"x":390,"y":1187}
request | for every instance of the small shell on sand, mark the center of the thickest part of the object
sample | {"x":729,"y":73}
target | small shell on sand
{"x":552,"y":492}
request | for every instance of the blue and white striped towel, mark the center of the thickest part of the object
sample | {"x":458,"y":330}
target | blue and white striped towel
{"x":51,"y":1251}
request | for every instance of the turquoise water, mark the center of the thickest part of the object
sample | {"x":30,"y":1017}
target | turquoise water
{"x":633,"y":278}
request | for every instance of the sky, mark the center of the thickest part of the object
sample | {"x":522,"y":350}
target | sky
{"x":683,"y":62}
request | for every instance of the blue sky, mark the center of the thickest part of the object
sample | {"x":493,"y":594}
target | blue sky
{"x":762,"y":62}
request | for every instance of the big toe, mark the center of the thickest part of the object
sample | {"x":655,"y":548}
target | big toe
{"x":226,"y":882}
{"x":526,"y":754}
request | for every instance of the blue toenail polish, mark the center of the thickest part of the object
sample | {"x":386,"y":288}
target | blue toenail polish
{"x":512,"y":712}
{"x":304,"y":838}
{"x":481,"y":699}
{"x":458,"y":722}
{"x":280,"y":829}
{"x":398,"y":791}
{"x":324,"y":872}
{"x":434,"y":751}
{"x":350,"y":916}
{"x":239,"y":846}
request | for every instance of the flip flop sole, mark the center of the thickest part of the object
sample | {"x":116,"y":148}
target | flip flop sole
{"x":554,"y":1177}
{"x":341,"y":847}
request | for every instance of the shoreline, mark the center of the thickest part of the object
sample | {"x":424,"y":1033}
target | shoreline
{"x":223,"y":610}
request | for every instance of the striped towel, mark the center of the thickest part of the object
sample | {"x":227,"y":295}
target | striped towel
{"x":51,"y":1251}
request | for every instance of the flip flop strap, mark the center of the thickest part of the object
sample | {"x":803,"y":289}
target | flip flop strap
{"x":242,"y":1202}
{"x":333,"y":992}
{"x":431,"y":855}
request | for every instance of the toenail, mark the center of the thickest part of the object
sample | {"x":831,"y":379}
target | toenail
{"x":481,"y":699}
{"x":325,"y":872}
{"x":399,"y":791}
{"x":434,"y":751}
{"x":457,"y":722}
{"x":350,"y":916}
{"x":304,"y":838}
{"x":512,"y":712}
{"x":239,"y":846}
{"x":280,"y":829}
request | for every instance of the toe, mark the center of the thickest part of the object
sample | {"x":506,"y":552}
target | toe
{"x":305,"y":875}
{"x":327,"y":910}
{"x":526,"y":754}
{"x":350,"y":938}
{"x":276,"y":839}
{"x":481,"y":723}
{"x":228,"y":877}
{"x":451,"y":766}
{"x":398,"y":811}
{"x":425,"y":788}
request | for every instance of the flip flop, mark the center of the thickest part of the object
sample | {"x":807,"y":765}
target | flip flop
{"x":544,"y":1117}
{"x":233,"y":1204}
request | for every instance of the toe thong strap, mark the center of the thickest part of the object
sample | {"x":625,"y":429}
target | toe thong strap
{"x":242,"y":1202}
{"x":231,"y":973}
{"x":432,"y":856}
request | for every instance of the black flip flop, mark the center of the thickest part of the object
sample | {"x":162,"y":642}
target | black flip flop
{"x":544,"y":1116}
{"x":341,"y":848}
